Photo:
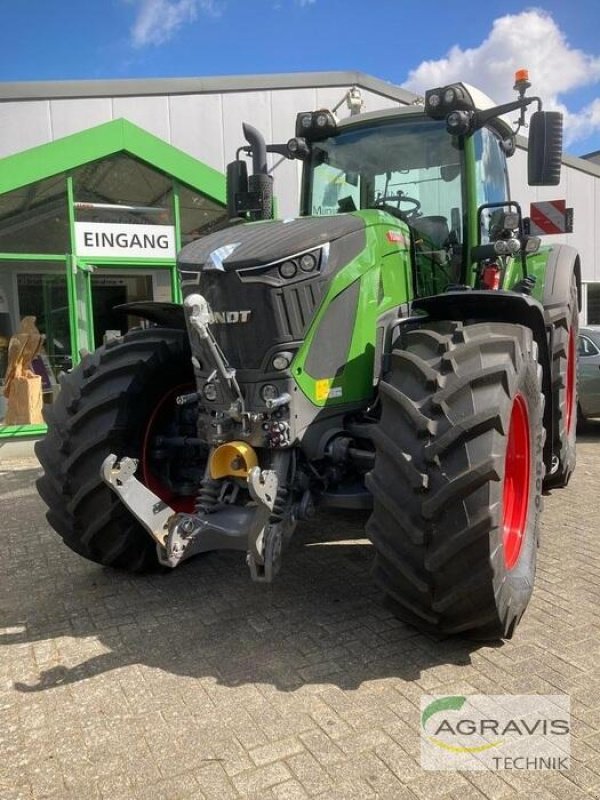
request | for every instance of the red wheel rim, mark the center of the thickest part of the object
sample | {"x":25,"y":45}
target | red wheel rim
{"x":570,"y":392}
{"x":517,"y":471}
{"x":161,"y":410}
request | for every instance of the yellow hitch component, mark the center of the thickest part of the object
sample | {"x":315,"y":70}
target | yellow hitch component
{"x":233,"y":459}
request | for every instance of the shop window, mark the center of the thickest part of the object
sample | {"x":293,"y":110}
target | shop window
{"x":36,"y":306}
{"x":593,"y":303}
{"x":198,"y":214}
{"x":145,"y":193}
{"x":34,"y":219}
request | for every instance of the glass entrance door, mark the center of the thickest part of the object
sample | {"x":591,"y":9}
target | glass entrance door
{"x":111,"y":287}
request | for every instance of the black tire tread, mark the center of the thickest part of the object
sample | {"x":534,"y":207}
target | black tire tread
{"x":438,"y":576}
{"x":563,"y":442}
{"x":86,"y":423}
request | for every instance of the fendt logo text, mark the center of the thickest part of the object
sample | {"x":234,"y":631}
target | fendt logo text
{"x":228,"y":317}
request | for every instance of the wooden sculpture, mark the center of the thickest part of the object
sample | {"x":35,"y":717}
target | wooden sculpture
{"x":22,"y":387}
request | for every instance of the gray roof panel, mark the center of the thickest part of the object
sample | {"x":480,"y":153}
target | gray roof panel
{"x":49,"y":90}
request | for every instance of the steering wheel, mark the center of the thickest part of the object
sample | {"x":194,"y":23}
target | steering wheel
{"x":384,"y":203}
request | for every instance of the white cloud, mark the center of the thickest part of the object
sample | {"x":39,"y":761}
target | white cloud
{"x":532,"y":40}
{"x":157,"y":21}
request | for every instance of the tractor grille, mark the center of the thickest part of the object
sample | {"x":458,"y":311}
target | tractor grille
{"x":295,"y":307}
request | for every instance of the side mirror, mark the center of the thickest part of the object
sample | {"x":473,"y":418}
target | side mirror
{"x":545,"y":148}
{"x":237,"y":184}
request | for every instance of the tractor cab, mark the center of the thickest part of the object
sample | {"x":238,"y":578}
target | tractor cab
{"x":441,"y":168}
{"x":406,"y":165}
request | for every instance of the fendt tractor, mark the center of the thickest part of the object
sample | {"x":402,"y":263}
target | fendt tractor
{"x":403,"y":346}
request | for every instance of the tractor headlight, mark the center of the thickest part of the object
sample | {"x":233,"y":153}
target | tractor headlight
{"x":302,"y":265}
{"x":532,"y":244}
{"x":210,"y":392}
{"x":288,"y":269}
{"x":281,"y":361}
{"x":298,"y":148}
{"x":434,"y":100}
{"x":507,"y":247}
{"x":458,"y":123}
{"x":441,"y":101}
{"x":269,"y":392}
{"x":308,"y":262}
{"x":315,"y":126}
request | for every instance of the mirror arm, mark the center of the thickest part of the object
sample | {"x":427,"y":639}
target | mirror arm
{"x":280,"y":149}
{"x":480,"y":118}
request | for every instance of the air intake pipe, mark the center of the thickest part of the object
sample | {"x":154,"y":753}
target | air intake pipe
{"x":260,"y":182}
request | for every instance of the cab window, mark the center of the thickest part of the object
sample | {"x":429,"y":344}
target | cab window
{"x":491,"y":175}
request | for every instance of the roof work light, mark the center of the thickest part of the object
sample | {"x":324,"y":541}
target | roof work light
{"x":315,"y":126}
{"x":457,"y":104}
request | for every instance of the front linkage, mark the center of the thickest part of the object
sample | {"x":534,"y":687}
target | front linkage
{"x":222,"y":525}
{"x":180,"y":536}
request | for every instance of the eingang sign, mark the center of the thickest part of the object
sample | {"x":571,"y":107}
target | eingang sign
{"x":124,"y":241}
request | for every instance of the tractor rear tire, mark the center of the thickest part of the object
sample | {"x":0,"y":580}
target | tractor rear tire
{"x":458,"y":476}
{"x":565,"y":328}
{"x":107,"y":405}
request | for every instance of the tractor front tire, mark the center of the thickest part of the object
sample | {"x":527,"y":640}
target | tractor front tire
{"x":106,"y":405}
{"x":458,"y":476}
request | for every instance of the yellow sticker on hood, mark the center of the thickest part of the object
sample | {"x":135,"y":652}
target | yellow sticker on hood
{"x":322,"y":388}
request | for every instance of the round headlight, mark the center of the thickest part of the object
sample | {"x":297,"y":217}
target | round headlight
{"x":434,"y":100}
{"x":288,"y":269}
{"x":269,"y":392}
{"x":210,"y":392}
{"x":308,"y":262}
{"x":458,"y":123}
{"x":449,"y":96}
{"x":306,"y":121}
{"x":281,"y":362}
{"x":321,"y":120}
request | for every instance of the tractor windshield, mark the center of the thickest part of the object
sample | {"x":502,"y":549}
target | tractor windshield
{"x":411,"y":168}
{"x":386,"y":164}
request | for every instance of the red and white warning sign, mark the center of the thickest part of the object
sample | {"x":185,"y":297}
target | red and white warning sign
{"x":551,"y":216}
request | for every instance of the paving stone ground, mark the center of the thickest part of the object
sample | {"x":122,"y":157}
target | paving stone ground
{"x":200,"y":684}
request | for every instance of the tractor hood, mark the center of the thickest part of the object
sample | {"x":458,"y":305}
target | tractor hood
{"x":261,"y":243}
{"x":257,"y":307}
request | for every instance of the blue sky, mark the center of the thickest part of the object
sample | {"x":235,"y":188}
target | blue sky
{"x":414,"y":44}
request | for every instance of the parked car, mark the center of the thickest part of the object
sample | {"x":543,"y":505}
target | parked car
{"x":588,"y":372}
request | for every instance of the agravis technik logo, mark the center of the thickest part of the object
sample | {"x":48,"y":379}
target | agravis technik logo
{"x":519,"y":732}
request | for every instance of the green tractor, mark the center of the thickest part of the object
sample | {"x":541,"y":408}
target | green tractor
{"x":403,"y":346}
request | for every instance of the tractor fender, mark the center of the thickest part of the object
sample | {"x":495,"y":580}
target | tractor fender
{"x":165,"y":315}
{"x":562,"y":262}
{"x":500,"y":306}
